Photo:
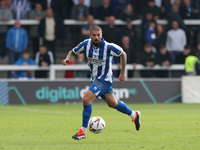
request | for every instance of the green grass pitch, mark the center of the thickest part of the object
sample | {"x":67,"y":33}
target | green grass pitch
{"x":50,"y":127}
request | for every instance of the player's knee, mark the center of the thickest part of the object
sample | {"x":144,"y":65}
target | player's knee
{"x":112,"y":105}
{"x":86,"y":100}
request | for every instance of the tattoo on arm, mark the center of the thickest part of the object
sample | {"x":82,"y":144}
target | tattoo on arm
{"x":123,"y":60}
{"x":70,"y":55}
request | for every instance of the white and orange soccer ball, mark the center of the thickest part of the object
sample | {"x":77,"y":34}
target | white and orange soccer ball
{"x":96,"y":124}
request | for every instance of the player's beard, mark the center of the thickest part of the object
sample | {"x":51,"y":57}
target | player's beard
{"x":96,"y":44}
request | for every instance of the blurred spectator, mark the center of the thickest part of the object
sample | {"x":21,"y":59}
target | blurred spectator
{"x":43,"y":58}
{"x":128,"y":13}
{"x":36,"y":14}
{"x":5,"y":15}
{"x":85,"y":2}
{"x":145,"y":24}
{"x":129,"y":30}
{"x":111,"y":31}
{"x":85,"y":31}
{"x":190,"y":8}
{"x":70,"y":73}
{"x":137,"y":6}
{"x":173,"y":14}
{"x":148,"y":58}
{"x":94,"y":5}
{"x":81,"y":61}
{"x":48,"y":4}
{"x":196,"y":5}
{"x":20,"y":8}
{"x":79,"y":12}
{"x":51,"y":28}
{"x":176,"y":40}
{"x":192,"y":64}
{"x":164,"y":6}
{"x":34,"y":2}
{"x":152,"y":8}
{"x":158,"y":3}
{"x":69,"y":5}
{"x":59,"y":7}
{"x":189,"y":12}
{"x":24,"y":60}
{"x":104,"y":11}
{"x":180,"y":59}
{"x":131,"y":54}
{"x":163,"y":58}
{"x":168,"y":5}
{"x":119,"y":6}
{"x":150,"y":33}
{"x":161,"y":36}
{"x":16,"y":42}
{"x":178,"y":2}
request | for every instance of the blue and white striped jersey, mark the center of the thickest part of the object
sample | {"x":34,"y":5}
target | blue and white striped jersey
{"x":100,"y":58}
{"x":20,"y":8}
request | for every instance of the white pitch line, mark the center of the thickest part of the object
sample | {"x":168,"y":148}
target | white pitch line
{"x":35,"y":110}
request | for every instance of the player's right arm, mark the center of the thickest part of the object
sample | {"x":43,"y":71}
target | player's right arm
{"x":75,"y":51}
{"x":70,"y":55}
{"x":80,"y":48}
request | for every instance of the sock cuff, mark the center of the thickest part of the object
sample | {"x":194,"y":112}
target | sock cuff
{"x":87,"y":106}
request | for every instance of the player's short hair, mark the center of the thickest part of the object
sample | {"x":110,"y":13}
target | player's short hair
{"x":95,"y":28}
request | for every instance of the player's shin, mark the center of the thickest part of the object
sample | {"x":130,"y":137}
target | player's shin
{"x":122,"y":107}
{"x":87,"y":111}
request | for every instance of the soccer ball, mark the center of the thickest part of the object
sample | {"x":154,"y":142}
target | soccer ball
{"x":96,"y":124}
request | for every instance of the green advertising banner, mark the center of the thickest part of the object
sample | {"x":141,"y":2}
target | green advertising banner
{"x":46,"y":92}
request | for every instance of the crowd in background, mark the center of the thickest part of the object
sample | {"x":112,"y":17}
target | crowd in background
{"x":150,"y":44}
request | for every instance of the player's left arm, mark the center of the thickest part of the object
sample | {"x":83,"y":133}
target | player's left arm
{"x":123,"y":61}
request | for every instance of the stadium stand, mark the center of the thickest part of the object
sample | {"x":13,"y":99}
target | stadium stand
{"x":159,"y":10}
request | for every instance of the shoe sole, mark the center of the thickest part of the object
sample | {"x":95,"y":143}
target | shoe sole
{"x":138,"y":120}
{"x":79,"y":138}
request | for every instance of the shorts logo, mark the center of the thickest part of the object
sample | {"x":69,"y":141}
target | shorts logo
{"x":89,"y":59}
{"x":95,"y":88}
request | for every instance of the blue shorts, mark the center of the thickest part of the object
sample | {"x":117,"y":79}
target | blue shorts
{"x":100,"y":88}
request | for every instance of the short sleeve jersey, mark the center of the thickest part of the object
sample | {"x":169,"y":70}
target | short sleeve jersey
{"x":99,"y":58}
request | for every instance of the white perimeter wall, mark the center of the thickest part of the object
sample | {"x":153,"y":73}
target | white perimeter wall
{"x":190,"y":87}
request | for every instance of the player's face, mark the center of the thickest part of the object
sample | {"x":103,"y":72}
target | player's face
{"x":96,"y":37}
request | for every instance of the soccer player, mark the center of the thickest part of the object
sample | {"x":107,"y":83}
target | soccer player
{"x":99,"y":54}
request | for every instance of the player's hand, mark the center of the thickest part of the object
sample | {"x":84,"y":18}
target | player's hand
{"x":122,"y":78}
{"x":65,"y":61}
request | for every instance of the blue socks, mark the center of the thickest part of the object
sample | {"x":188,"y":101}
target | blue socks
{"x":122,"y":107}
{"x":87,"y":111}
